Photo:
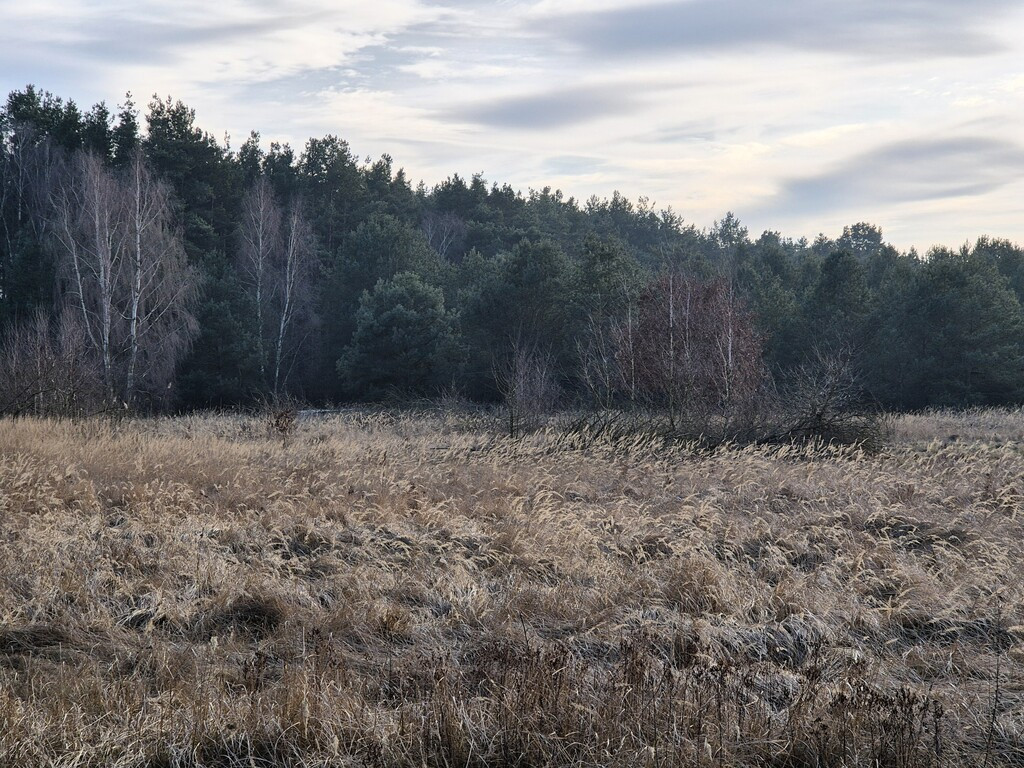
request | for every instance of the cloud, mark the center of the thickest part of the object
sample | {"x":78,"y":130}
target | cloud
{"x":891,"y":29}
{"x":795,"y":109}
{"x":550,"y":109}
{"x":442,"y":69}
{"x":574,"y":165}
{"x":906,"y":172}
{"x":694,"y":130}
{"x":227,"y":41}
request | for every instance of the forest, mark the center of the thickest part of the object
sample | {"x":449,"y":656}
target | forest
{"x":146,"y":265}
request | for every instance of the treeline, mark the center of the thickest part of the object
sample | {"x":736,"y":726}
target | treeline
{"x":145,"y":264}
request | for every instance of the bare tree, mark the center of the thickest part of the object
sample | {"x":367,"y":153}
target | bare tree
{"x":690,"y":349}
{"x":276,"y":259}
{"x":598,"y":366}
{"x":45,"y":368}
{"x":162,"y":286}
{"x":527,"y":383}
{"x":29,"y":168}
{"x":259,"y":236}
{"x":89,"y":234}
{"x":126,"y":276}
{"x":294,"y":275}
{"x":25,"y":366}
{"x":605,"y":349}
{"x":445,"y":232}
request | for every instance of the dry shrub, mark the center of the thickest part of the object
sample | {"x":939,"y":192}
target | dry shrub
{"x":283,"y":421}
{"x":822,"y":401}
{"x":819,"y":403}
{"x":46,"y":369}
{"x":528,"y":387}
{"x":277,"y":416}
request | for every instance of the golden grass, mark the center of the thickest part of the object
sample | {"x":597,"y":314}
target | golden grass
{"x":411,"y":590}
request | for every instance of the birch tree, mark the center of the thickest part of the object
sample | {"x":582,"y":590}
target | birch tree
{"x":125,"y":274}
{"x":276,"y":261}
{"x":691,"y":349}
{"x":294,"y":274}
{"x":259,"y":237}
{"x":445,"y":232}
{"x":161,"y":287}
{"x":89,"y":236}
{"x":29,"y":168}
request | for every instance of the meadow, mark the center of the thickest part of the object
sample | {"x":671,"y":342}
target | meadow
{"x":389,"y":589}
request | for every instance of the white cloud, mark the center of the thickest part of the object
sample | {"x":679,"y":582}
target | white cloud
{"x":589,"y":95}
{"x":200,"y":43}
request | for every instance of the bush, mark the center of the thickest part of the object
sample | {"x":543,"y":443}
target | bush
{"x":822,"y":400}
{"x":45,"y":369}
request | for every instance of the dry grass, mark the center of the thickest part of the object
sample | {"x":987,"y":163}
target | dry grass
{"x":389,"y":590}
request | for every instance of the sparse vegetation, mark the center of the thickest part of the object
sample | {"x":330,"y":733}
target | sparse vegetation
{"x":391,"y":589}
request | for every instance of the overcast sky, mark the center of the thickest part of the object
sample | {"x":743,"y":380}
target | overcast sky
{"x":798,"y":115}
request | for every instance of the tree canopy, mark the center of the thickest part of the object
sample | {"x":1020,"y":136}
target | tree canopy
{"x":312,"y":273}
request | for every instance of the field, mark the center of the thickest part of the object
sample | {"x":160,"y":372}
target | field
{"x":405,"y":590}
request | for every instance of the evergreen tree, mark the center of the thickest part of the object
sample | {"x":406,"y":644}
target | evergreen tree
{"x":837,"y":305}
{"x":404,"y":341}
{"x":334,"y":189}
{"x":967,"y":333}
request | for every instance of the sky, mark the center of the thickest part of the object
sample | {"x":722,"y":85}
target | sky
{"x":800,"y":116}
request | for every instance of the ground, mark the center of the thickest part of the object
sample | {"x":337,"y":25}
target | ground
{"x":414,"y":589}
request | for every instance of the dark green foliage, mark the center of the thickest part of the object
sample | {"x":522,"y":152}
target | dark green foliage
{"x":522,"y":297}
{"x":836,"y":307}
{"x":335,"y":192}
{"x":27,"y":278}
{"x":378,"y":249}
{"x":414,"y":288}
{"x":201,"y":173}
{"x":97,"y":132}
{"x":388,"y":191}
{"x":767,"y":278}
{"x":604,"y":279}
{"x":223,"y":369}
{"x":1007,"y":258}
{"x":966,"y":330}
{"x":892,"y":363}
{"x":529,"y":299}
{"x":124,"y":136}
{"x":60,"y":122}
{"x":251,"y":160}
{"x":404,"y":341}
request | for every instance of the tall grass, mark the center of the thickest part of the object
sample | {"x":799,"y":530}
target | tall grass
{"x":399,"y":590}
